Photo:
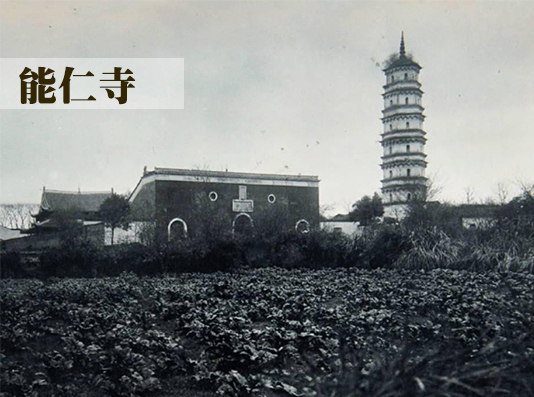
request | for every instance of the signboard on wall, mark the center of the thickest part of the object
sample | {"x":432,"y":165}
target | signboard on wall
{"x":243,"y":205}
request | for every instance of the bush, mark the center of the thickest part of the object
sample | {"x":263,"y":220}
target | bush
{"x":317,"y":249}
{"x":74,"y":258}
{"x":11,"y":265}
{"x":384,"y":245}
{"x":503,"y":247}
{"x":204,"y":255}
{"x":136,"y":258}
{"x":431,"y":249}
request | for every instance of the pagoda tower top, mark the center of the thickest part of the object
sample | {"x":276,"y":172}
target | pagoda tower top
{"x":402,"y":59}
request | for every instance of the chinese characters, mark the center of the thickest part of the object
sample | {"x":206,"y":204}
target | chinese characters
{"x":38,"y":87}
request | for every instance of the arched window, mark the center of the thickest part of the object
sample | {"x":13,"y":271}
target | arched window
{"x":390,"y":174}
{"x":407,"y":148}
{"x":390,"y":102}
{"x":392,"y":79}
{"x":406,"y":100}
{"x":176,"y":230}
{"x":390,"y":197}
{"x":409,"y":196}
{"x":405,"y":76}
{"x":408,"y":172}
{"x":242,"y":224}
{"x":407,"y":124}
{"x":391,"y":127}
{"x":302,"y":226}
{"x":390,"y":150}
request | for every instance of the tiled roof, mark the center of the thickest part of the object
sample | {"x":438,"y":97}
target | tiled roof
{"x":477,"y":210}
{"x":402,"y":61}
{"x":340,"y":218}
{"x":53,"y":200}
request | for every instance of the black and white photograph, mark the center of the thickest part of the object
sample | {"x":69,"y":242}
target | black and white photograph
{"x":266,"y":198}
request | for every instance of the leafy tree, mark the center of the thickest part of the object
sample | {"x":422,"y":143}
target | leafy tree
{"x":425,"y":215}
{"x":521,"y":206}
{"x":114,"y":212}
{"x":519,"y":212}
{"x":367,"y":209}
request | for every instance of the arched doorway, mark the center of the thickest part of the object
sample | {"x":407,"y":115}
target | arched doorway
{"x":242,"y":224}
{"x":177,"y":230}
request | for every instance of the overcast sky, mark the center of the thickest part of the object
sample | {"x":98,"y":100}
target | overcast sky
{"x":278,"y":87}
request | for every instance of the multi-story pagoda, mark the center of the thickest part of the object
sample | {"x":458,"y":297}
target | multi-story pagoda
{"x":403,"y":139}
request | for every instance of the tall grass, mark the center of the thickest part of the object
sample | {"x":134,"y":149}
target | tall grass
{"x":498,"y":249}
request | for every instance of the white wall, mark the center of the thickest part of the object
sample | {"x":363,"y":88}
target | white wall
{"x":399,"y":76}
{"x":121,"y":236}
{"x":348,"y":228}
{"x":415,"y":123}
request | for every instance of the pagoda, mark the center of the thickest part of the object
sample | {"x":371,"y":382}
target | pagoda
{"x":403,"y":138}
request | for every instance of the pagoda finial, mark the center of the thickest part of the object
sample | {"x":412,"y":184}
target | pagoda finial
{"x":402,"y":52}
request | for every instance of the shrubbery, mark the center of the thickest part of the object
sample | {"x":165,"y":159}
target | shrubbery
{"x":74,"y":258}
{"x":11,"y":265}
{"x":506,"y":245}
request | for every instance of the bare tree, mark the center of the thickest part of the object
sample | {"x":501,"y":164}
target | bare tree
{"x":433,"y":188}
{"x":325,"y":210}
{"x":527,"y":188}
{"x":502,"y":192}
{"x":17,"y":216}
{"x":469,"y":195}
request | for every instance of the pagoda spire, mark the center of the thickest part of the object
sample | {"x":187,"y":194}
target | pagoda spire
{"x":402,"y":52}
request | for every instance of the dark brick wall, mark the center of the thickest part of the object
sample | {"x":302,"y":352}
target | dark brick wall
{"x":143,"y":207}
{"x":190,"y":202}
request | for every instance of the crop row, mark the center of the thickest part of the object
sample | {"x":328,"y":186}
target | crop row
{"x":266,"y":331}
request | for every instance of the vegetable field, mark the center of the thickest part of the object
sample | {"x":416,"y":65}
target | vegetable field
{"x":343,"y":332}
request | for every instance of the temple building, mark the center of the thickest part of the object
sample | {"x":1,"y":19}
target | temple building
{"x":182,"y":203}
{"x":403,"y":138}
{"x":60,"y":209}
{"x":61,"y":213}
